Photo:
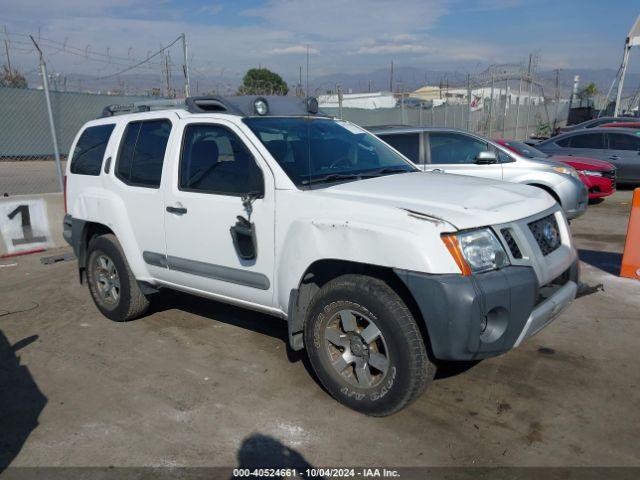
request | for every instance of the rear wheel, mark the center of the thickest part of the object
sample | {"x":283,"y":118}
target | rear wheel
{"x":113,"y":288}
{"x":365,"y":346}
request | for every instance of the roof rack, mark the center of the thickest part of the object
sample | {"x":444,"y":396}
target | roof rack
{"x":143,"y":106}
{"x":243,"y":105}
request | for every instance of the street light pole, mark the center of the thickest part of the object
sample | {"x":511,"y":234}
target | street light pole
{"x":52,"y":126}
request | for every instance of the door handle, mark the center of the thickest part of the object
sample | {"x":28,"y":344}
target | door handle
{"x":613,"y":157}
{"x":177,"y":210}
{"x":436,"y":170}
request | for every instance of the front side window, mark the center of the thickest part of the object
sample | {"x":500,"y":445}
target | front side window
{"x":587,"y":140}
{"x":215,"y":160}
{"x":89,"y":151}
{"x":407,"y":144}
{"x":455,"y":148}
{"x":142,"y":152}
{"x":619,"y":141}
{"x":321,"y":151}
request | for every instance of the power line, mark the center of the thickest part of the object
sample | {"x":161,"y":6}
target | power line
{"x":141,"y":62}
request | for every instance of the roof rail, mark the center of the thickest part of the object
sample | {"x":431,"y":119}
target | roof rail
{"x":142,"y":106}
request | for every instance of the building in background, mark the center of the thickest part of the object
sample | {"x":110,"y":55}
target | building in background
{"x":367,"y":101}
{"x":436,"y":95}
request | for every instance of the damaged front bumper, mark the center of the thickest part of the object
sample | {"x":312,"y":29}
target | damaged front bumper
{"x":481,"y":316}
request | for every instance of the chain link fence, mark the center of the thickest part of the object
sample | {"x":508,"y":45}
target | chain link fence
{"x":26,"y":144}
{"x":27,"y":163}
{"x":512,"y":122}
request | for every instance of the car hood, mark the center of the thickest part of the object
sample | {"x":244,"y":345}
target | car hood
{"x":584,"y":163}
{"x":462,"y":201}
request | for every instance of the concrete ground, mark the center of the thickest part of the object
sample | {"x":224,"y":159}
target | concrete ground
{"x":29,"y":177}
{"x":199,"y":383}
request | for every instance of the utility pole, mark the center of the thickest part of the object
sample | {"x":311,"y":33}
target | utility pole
{"x":369,"y":85}
{"x":168,"y":74}
{"x":339,"y":92}
{"x":6,"y":48}
{"x":557,"y":97}
{"x":526,"y":127}
{"x":468,"y":101}
{"x":515,"y":135}
{"x":307,"y":80}
{"x":491,"y":108}
{"x":300,"y":81}
{"x":504,"y":112}
{"x":391,"y":78}
{"x":52,"y":126}
{"x":185,"y":67}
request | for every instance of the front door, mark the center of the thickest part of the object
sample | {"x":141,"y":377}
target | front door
{"x":584,"y":144}
{"x":215,"y":171}
{"x":624,"y":153}
{"x":452,"y":152}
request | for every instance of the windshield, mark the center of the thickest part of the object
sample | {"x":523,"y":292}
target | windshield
{"x":525,"y":150}
{"x":320,"y":151}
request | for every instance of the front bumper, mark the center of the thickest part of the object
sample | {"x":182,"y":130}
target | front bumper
{"x":574,"y":197}
{"x":598,"y":187}
{"x":484,"y":315}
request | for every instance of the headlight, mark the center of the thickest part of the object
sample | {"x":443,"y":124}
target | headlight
{"x":567,"y":171}
{"x":476,"y":251}
{"x":592,"y":173}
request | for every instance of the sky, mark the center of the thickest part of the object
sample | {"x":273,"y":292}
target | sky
{"x":343,"y":36}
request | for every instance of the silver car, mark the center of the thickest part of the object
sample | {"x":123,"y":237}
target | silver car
{"x":448,"y":150}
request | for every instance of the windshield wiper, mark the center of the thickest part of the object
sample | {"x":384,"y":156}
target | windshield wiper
{"x":333,"y":177}
{"x":390,"y":170}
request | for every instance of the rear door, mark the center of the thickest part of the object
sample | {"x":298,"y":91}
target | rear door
{"x":624,"y":152}
{"x":408,"y":144}
{"x":136,"y":177}
{"x":454,"y":152}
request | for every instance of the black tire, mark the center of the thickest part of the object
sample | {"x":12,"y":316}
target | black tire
{"x":130,"y":302}
{"x":370,"y":301}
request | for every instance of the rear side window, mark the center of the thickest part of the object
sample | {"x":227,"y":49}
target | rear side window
{"x":407,"y":144}
{"x":89,"y":152}
{"x":587,"y":140}
{"x":214,"y":160}
{"x":619,"y":141}
{"x":142,"y":152}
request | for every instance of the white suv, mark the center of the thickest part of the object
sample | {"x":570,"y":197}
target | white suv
{"x":379,"y":269}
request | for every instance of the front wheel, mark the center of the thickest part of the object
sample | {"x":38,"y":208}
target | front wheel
{"x":365,"y":346}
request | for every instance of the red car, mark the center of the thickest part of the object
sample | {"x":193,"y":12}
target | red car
{"x":599,"y":176}
{"x":622,"y":125}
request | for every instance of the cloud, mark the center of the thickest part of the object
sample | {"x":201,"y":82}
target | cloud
{"x":294,"y":50}
{"x":394,"y":49}
{"x":212,"y":9}
{"x":339,"y":19}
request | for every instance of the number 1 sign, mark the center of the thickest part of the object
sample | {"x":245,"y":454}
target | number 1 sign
{"x":24,"y":225}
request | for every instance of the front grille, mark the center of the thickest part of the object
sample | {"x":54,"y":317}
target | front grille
{"x":610,"y":174}
{"x":546,"y":233}
{"x":511,"y":243}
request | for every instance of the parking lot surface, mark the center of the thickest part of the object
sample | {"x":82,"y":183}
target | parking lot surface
{"x":199,"y":383}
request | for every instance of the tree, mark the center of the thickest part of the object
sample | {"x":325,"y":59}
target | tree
{"x":12,"y":78}
{"x":589,"y":91}
{"x":262,"y":81}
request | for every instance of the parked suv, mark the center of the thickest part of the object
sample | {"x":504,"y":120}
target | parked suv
{"x":447,"y":150}
{"x":379,"y":269}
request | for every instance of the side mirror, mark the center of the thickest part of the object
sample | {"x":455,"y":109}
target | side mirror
{"x":486,"y":158}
